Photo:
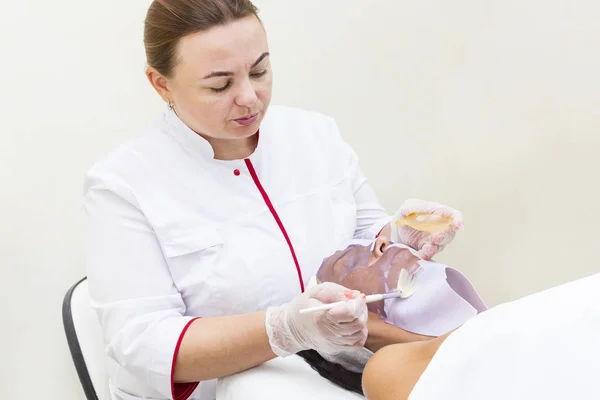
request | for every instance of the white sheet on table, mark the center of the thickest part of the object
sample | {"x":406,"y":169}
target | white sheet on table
{"x":289,"y":378}
{"x":545,"y":346}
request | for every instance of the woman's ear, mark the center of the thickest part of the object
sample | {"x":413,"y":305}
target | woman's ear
{"x":159,"y":83}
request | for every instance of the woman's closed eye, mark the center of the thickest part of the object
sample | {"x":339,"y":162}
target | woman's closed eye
{"x":259,"y":74}
{"x":254,"y":75}
{"x":221,"y":88}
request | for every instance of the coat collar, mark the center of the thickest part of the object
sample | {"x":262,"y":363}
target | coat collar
{"x":199,"y":147}
{"x":186,"y":137}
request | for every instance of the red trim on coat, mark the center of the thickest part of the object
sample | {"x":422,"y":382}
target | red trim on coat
{"x":277,"y":219}
{"x":181,"y":391}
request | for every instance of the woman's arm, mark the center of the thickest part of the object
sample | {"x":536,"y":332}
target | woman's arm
{"x":142,"y":313}
{"x":382,"y":334}
{"x":371,"y":217}
{"x":221,"y":346}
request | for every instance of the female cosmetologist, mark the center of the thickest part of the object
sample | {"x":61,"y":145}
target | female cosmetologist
{"x":203,"y":231}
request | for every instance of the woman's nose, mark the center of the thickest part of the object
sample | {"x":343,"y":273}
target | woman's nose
{"x":246,"y":96}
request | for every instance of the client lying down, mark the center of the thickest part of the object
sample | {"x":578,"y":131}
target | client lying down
{"x":438,"y":344}
{"x":444,"y":301}
{"x":541,"y":346}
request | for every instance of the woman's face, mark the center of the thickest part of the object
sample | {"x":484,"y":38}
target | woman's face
{"x":221,"y":84}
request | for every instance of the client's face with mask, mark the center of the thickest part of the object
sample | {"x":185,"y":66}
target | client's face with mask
{"x":370,"y":268}
{"x":444,"y":298}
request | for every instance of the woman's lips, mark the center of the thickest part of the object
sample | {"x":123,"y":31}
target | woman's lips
{"x":247,"y":120}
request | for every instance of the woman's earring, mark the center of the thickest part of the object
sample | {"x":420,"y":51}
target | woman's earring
{"x":170,"y":105}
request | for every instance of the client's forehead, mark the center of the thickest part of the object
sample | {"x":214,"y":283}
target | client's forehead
{"x":352,"y":256}
{"x":351,"y":252}
{"x":358,"y":255}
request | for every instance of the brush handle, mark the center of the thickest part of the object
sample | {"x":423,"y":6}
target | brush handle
{"x":369,"y":299}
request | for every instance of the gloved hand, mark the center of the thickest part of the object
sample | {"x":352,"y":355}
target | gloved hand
{"x":329,"y":332}
{"x":426,"y":244}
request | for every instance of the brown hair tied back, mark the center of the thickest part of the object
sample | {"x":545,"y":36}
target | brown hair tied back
{"x":167,"y":21}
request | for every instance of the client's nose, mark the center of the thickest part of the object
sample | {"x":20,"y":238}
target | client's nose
{"x":381,"y":243}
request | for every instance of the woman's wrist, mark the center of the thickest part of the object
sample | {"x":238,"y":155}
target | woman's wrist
{"x":386,"y":230}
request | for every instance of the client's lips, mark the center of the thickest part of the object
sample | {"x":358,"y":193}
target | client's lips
{"x":249,"y":120}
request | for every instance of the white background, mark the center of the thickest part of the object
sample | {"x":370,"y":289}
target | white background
{"x":489,"y":106}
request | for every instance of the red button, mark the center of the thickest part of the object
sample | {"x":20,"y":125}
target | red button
{"x":236,"y":172}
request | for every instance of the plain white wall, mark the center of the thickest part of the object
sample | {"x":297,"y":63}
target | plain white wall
{"x":489,"y":106}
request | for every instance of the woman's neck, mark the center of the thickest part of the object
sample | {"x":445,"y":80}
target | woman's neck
{"x":233,"y":149}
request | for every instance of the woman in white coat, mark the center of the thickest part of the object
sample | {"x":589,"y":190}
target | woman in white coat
{"x":203,"y":231}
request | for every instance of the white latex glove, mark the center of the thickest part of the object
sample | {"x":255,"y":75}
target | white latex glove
{"x":426,"y":244}
{"x":329,"y":332}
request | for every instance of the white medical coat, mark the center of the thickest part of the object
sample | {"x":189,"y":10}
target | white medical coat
{"x":173,"y":234}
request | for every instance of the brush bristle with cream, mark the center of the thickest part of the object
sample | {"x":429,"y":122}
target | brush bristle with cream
{"x":407,"y":285}
{"x":405,"y":288}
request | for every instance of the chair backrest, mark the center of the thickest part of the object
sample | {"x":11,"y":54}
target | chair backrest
{"x":84,"y":336}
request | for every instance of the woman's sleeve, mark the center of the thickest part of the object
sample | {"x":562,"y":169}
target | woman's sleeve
{"x":371,"y":217}
{"x":139,"y":308}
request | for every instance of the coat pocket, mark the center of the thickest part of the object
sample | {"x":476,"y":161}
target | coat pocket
{"x":195,"y":257}
{"x":185,"y":241}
